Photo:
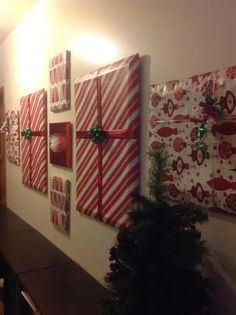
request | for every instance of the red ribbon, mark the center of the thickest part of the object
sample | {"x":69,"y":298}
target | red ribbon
{"x":110,"y":134}
{"x":41,"y":133}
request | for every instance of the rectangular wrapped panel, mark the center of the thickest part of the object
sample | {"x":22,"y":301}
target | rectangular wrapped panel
{"x":108,"y":172}
{"x":178,"y":109}
{"x":59,"y":72}
{"x":60,"y":203}
{"x":34,"y":150}
{"x":13,"y":136}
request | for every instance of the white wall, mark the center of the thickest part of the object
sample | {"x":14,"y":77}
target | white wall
{"x":175,"y":38}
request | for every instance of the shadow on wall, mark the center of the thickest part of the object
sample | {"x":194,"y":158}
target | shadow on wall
{"x":222,"y":274}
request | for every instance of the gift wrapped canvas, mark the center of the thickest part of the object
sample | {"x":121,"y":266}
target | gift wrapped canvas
{"x":60,"y":203}
{"x":59,"y":73}
{"x":60,"y":143}
{"x":33,"y":118}
{"x":196,"y":120}
{"x":13,"y":136}
{"x":107,"y":145}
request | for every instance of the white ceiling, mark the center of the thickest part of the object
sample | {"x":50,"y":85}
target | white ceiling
{"x":11,"y":12}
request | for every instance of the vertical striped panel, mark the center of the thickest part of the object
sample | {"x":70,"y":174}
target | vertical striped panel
{"x":120,"y":158}
{"x":34,"y":152}
{"x":25,"y":146}
{"x":86,"y":151}
{"x":120,"y":103}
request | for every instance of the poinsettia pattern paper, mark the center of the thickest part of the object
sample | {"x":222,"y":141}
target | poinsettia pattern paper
{"x":175,"y":114}
{"x":13,"y":136}
{"x":60,"y":203}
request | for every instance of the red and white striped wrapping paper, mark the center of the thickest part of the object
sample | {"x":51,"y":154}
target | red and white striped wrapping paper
{"x":13,"y":136}
{"x":59,"y":73}
{"x":107,"y":173}
{"x":33,"y":115}
{"x":60,"y":203}
{"x":176,"y":112}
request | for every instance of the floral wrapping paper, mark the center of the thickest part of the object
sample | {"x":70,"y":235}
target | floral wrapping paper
{"x":60,"y":203}
{"x":175,"y":115}
{"x":13,"y":136}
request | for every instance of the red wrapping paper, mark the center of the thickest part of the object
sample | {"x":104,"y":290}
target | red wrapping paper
{"x":107,"y":173}
{"x":34,"y":151}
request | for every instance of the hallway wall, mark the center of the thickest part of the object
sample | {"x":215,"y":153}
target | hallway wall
{"x":175,"y":39}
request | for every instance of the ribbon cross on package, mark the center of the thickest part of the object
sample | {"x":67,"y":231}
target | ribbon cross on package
{"x":107,"y":128}
{"x":34,"y":140}
{"x":196,"y":120}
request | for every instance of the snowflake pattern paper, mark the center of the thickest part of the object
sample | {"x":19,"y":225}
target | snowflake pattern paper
{"x":176,"y":113}
{"x":60,"y":203}
{"x":59,"y":72}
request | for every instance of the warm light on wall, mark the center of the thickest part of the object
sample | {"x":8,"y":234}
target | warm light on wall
{"x":95,"y":49}
{"x":31,"y":47}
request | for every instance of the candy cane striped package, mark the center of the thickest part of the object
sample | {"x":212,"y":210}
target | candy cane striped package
{"x":13,"y":136}
{"x":108,"y":172}
{"x":59,"y":72}
{"x":60,"y":203}
{"x":177,"y":110}
{"x":34,"y":147}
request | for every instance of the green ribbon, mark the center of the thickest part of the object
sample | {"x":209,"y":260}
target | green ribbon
{"x":97,"y":135}
{"x":199,"y":144}
{"x":218,"y":108}
{"x":211,"y":100}
{"x":27,"y":134}
{"x":202,"y":131}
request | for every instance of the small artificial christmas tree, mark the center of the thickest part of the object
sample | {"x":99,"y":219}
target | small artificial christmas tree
{"x":154,"y":261}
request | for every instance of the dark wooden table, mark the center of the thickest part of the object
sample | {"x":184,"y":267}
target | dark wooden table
{"x":29,"y":250}
{"x":10,"y":223}
{"x":56,"y":284}
{"x":64,"y":289}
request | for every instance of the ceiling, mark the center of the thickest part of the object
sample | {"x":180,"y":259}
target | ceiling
{"x":12,"y":11}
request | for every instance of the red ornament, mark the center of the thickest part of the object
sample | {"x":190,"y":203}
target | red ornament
{"x":226,"y":150}
{"x":167,"y":131}
{"x":221,"y":184}
{"x":179,"y":144}
{"x":227,"y":129}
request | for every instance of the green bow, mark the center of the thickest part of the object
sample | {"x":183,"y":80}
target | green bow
{"x":97,"y":135}
{"x":27,"y":134}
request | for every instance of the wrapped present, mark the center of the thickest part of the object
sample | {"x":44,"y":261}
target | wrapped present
{"x":107,"y":126}
{"x":34,"y":140}
{"x":196,"y":119}
{"x":60,"y":143}
{"x":59,"y":73}
{"x":13,"y":136}
{"x":60,"y":203}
